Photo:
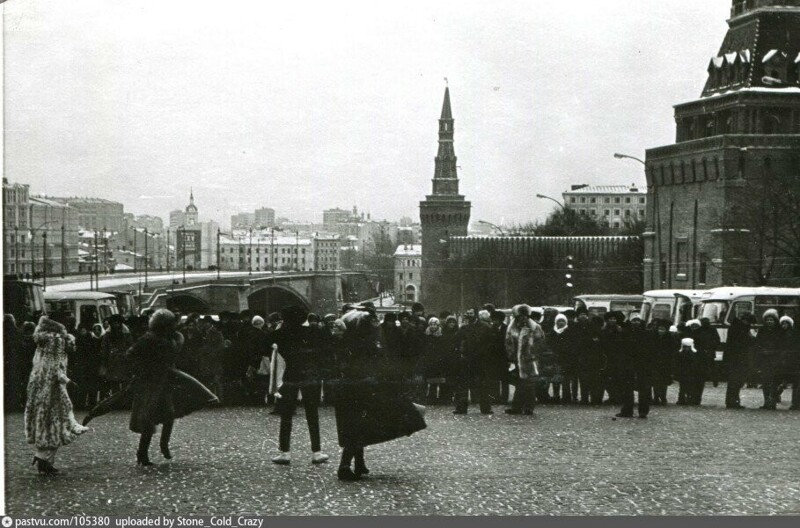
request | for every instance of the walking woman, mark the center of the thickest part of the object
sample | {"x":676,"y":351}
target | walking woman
{"x":156,"y":401}
{"x":49,"y":419}
{"x":368,"y":411}
{"x":524,"y":342}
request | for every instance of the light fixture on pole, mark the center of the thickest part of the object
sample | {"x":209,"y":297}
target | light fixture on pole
{"x":626,"y":156}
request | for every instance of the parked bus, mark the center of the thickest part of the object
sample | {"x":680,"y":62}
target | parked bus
{"x":600,"y":304}
{"x":721,"y":305}
{"x":126,"y":303}
{"x":675,"y":306}
{"x":85,"y":306}
{"x":23,"y":299}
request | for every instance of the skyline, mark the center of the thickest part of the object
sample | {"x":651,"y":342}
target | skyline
{"x":272,"y":107}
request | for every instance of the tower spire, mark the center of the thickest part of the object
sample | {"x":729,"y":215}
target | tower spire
{"x":445,"y":176}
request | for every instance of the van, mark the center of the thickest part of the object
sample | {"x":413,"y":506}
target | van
{"x":675,"y":306}
{"x":87,"y":307}
{"x":600,"y":304}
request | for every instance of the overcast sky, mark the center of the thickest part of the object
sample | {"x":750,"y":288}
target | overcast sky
{"x":304,"y":106}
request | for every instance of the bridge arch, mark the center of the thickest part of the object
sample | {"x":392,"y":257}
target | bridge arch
{"x":187,"y":303}
{"x":274,"y":297}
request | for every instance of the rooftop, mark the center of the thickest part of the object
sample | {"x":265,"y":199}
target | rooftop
{"x":408,"y":250}
{"x":606,"y":189}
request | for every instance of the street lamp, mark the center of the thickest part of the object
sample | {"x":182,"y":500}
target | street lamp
{"x":543,"y":197}
{"x":503,"y":233}
{"x":145,"y":258}
{"x":625,"y":156}
{"x":44,"y":250}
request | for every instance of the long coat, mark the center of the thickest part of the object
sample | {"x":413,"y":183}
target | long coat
{"x":523,"y":346}
{"x":49,"y":419}
{"x":368,"y":411}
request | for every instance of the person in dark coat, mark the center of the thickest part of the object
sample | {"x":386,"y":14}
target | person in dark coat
{"x":736,"y":358}
{"x":592,"y":359}
{"x":368,"y":410}
{"x":568,"y":358}
{"x":689,"y":372}
{"x":478,"y":368}
{"x":791,"y":358}
{"x":636,"y":376}
{"x":707,"y":341}
{"x":150,"y":358}
{"x":614,"y":343}
{"x":768,"y":353}
{"x":114,"y":346}
{"x":499,"y":327}
{"x":295,"y":343}
{"x":663,"y":348}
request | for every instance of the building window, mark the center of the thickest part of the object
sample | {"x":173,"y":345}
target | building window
{"x":410,"y":276}
{"x":583,"y":211}
{"x":641,"y":213}
{"x":583,"y":199}
{"x":616,"y":200}
{"x":702,"y":271}
{"x":681,"y":257}
{"x":641,"y":200}
{"x":593,"y":200}
{"x":616,"y":225}
{"x":593,"y":212}
{"x":627,"y":212}
{"x":572,"y":199}
{"x":628,"y":200}
{"x":606,"y":200}
{"x":616,"y":212}
{"x":607,"y":212}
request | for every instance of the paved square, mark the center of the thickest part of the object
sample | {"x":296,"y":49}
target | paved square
{"x":564,"y":460}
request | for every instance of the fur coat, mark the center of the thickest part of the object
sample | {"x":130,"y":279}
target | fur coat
{"x":49,"y":419}
{"x":523,"y":346}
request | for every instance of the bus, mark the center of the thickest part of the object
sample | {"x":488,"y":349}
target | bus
{"x":24,"y":300}
{"x":87,"y":307}
{"x":675,"y":306}
{"x":600,"y":304}
{"x":721,"y":305}
{"x":126,"y":303}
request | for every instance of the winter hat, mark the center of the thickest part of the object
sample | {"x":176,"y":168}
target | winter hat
{"x":772,"y":312}
{"x":451,"y":318}
{"x":688,"y":342}
{"x":258,"y":321}
{"x":161,"y":321}
{"x":485,"y":316}
{"x":329,"y":318}
{"x":694,"y":323}
{"x":560,"y":317}
{"x":673,"y":329}
{"x":521,"y":309}
{"x":498,"y":316}
{"x":787,"y":319}
{"x":635,"y":317}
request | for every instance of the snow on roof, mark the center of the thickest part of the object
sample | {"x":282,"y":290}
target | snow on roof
{"x":265,"y":241}
{"x":771,"y":54}
{"x":745,"y":55}
{"x":122,"y":267}
{"x":408,"y":250}
{"x":731,"y":57}
{"x":606,"y":189}
{"x":717,"y":62}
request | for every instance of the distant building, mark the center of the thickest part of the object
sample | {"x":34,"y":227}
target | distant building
{"x":264,"y":217}
{"x":153,"y":224}
{"x":262,"y":252}
{"x":191,"y":215}
{"x":326,"y":252}
{"x":408,"y":273}
{"x":616,"y":205}
{"x":243,"y":220}
{"x":96,"y":214}
{"x":333,"y":217}
{"x":177,"y":218}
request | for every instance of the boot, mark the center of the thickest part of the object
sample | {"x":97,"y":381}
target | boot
{"x":142,"y":456}
{"x":166,"y":433}
{"x":360,"y":467}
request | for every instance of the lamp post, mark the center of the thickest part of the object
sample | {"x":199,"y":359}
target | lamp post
{"x":168,"y":257}
{"x":145,"y":258}
{"x":543,"y":197}
{"x":626,"y":156}
{"x":33,"y":246}
{"x":250,"y":253}
{"x":63,"y":251}
{"x":503,"y":233}
{"x":44,"y":260}
{"x":134,"y":249}
{"x":218,"y":235}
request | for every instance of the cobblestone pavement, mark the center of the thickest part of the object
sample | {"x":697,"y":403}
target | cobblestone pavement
{"x":563,"y":460}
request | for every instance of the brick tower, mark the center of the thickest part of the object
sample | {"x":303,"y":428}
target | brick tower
{"x":444,"y":213}
{"x":712,"y":205}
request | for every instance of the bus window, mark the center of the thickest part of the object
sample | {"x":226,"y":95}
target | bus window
{"x":662,"y":312}
{"x":785,"y":305}
{"x":597,"y":310}
{"x":715,"y":311}
{"x":740,"y":308}
{"x":88,"y":315}
{"x":105,"y":312}
{"x":645,"y":313}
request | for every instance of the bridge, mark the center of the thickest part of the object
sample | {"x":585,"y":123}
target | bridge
{"x":207,"y":292}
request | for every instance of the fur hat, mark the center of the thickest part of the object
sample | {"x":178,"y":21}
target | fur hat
{"x":162,"y":321}
{"x":451,"y":318}
{"x":694,"y":322}
{"x":521,"y":309}
{"x":688,"y":342}
{"x":787,"y":319}
{"x":636,"y":317}
{"x":484,"y":315}
{"x":258,"y":321}
{"x":772,"y":312}
{"x":47,"y":325}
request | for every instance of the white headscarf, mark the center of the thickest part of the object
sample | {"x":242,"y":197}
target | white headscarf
{"x":560,"y":317}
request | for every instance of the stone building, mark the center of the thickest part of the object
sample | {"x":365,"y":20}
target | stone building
{"x":408,"y":273}
{"x":717,"y":196}
{"x":444,"y":213}
{"x":617,"y":205}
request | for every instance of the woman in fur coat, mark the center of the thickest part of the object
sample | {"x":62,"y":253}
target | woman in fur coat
{"x":524,"y":342}
{"x":49,"y":419}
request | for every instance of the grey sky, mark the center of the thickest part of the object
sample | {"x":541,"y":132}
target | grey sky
{"x":301,"y":106}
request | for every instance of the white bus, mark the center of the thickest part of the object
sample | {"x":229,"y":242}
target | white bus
{"x":721,"y":305}
{"x":675,"y":306}
{"x":600,"y":304}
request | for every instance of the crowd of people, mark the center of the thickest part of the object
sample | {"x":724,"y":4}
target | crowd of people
{"x":295,"y":356}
